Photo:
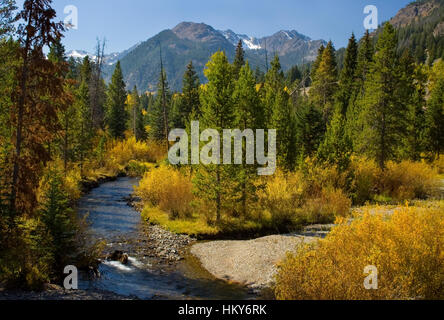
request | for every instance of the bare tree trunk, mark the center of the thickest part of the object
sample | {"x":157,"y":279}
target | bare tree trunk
{"x":218,"y":197}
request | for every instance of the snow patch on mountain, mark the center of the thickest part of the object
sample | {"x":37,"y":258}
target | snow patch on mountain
{"x":249,"y":42}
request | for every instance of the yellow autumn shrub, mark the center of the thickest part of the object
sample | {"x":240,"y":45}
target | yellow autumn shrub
{"x":122,"y":152}
{"x":331,"y":203}
{"x":408,"y":180}
{"x":282,"y":195}
{"x":407,"y":249}
{"x":168,"y":189}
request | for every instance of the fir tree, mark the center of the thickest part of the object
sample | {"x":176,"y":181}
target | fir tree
{"x":384,"y":115}
{"x":336,"y":147}
{"x":309,"y":129}
{"x":435,"y":120}
{"x":190,"y":95}
{"x":325,"y":80}
{"x":117,"y":115}
{"x":159,"y":115}
{"x":347,"y":76}
{"x":364,"y":60}
{"x":213,"y":182}
{"x":85,"y":130}
{"x":239,"y":59}
{"x":248,"y":115}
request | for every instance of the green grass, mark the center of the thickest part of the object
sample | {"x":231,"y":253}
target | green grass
{"x":194,"y":226}
{"x":228,"y":228}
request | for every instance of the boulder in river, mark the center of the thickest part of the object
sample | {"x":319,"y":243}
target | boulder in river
{"x":118,"y":256}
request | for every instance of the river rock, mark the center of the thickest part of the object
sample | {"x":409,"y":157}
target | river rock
{"x":118,"y":256}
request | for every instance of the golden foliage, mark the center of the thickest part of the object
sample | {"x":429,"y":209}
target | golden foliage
{"x":123,"y":151}
{"x":406,"y":248}
{"x":408,"y":180}
{"x":168,"y":189}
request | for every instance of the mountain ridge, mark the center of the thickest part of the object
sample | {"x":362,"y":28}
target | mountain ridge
{"x":190,"y":41}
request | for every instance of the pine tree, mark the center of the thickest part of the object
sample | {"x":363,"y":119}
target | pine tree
{"x":57,"y":52}
{"x":86,"y":70}
{"x":364,"y":60}
{"x":325,"y":82}
{"x":35,"y":106}
{"x":7,"y":17}
{"x":347,"y":76}
{"x":85,"y":130}
{"x":59,"y":218}
{"x":412,"y":88}
{"x":384,"y":115}
{"x":274,"y":83}
{"x":190,"y":95}
{"x":213,"y":182}
{"x":117,"y":115}
{"x":435,"y":120}
{"x":317,"y":62}
{"x":337,"y":147}
{"x":248,"y":115}
{"x":160,"y":113}
{"x":239,"y":59}
{"x":309,"y":129}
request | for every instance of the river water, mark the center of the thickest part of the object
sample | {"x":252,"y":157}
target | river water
{"x":120,"y":226}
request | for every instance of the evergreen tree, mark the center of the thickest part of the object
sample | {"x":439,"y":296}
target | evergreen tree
{"x":274,"y":83}
{"x":336,"y":147}
{"x":117,"y":115}
{"x":347,"y":76}
{"x":317,"y":62}
{"x":57,"y":52}
{"x":435,"y":120}
{"x":384,"y":114}
{"x":59,"y":219}
{"x":239,"y":59}
{"x":412,"y":88}
{"x":248,"y":115}
{"x":325,"y":82}
{"x":294,"y":74}
{"x":190,"y":95}
{"x":85,"y":130}
{"x":213,"y":182}
{"x":7,"y":17}
{"x":310,"y":129}
{"x":159,"y":115}
{"x":86,"y":70}
{"x":364,"y":60}
{"x":37,"y":30}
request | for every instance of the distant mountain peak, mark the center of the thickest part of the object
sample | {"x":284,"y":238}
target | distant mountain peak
{"x":200,"y":32}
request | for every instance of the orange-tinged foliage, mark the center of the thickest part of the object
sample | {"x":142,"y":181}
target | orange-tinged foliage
{"x":407,"y":248}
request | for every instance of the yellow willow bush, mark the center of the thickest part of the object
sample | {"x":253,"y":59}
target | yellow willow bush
{"x":123,"y":151}
{"x":408,"y":180}
{"x":439,"y":164}
{"x":365,"y":174}
{"x":294,"y":197}
{"x":167,"y":188}
{"x":282,"y":195}
{"x":330,"y":204}
{"x":407,"y":249}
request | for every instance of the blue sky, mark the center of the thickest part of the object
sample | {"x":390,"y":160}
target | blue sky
{"x":125,"y":23}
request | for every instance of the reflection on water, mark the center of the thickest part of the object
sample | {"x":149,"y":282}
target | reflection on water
{"x":119,"y":225}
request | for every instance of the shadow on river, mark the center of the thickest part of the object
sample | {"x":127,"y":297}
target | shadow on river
{"x":144,"y":277}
